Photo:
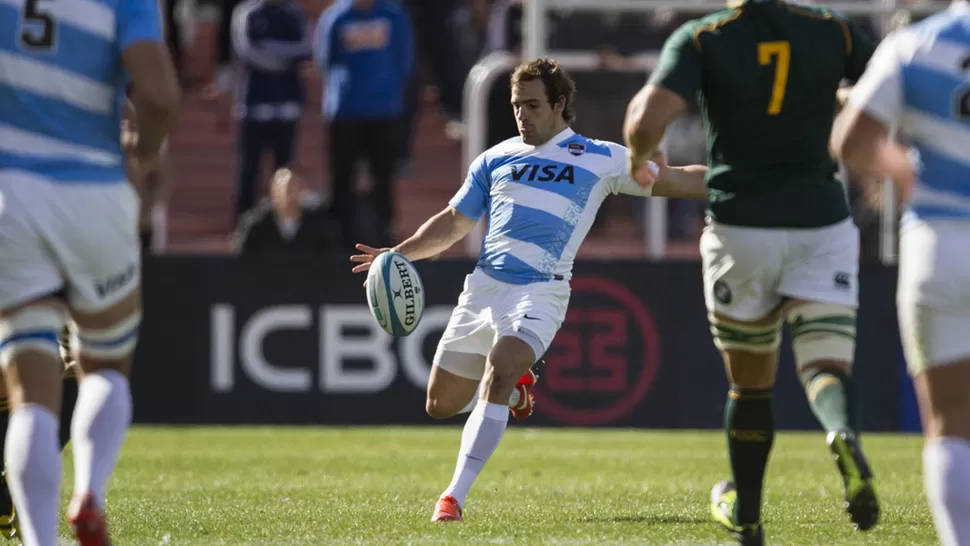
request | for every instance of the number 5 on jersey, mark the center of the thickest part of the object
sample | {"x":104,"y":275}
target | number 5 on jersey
{"x":780,"y":52}
{"x":37,"y":29}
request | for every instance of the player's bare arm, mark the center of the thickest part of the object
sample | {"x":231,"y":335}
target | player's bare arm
{"x":687,"y":182}
{"x":656,"y":178}
{"x":863,"y":143}
{"x":435,"y":236}
{"x":861,"y":135}
{"x":648,"y":115}
{"x":155,"y":95}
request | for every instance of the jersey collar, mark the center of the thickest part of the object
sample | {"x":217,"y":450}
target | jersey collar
{"x":563,"y":136}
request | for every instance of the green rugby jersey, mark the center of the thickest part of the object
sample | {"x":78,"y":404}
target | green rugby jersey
{"x":765,"y":74}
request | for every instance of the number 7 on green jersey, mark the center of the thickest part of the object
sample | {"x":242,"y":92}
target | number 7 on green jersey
{"x":781,"y":51}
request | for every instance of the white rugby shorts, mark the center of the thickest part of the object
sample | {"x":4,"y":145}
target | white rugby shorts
{"x":489,"y":309}
{"x":933,"y":293}
{"x":749,"y":271}
{"x":79,"y":238}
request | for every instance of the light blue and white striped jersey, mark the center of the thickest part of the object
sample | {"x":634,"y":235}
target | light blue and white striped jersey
{"x":541,"y":202}
{"x":62,"y":84}
{"x":918,"y":82}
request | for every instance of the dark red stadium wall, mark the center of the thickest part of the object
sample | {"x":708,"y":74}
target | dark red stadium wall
{"x":291,"y":341}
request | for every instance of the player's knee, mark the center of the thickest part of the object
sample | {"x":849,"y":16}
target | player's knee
{"x":823,"y":338}
{"x":33,"y":328}
{"x":500,"y":377}
{"x":439,"y":408}
{"x":731,"y":336}
{"x":110,"y":347}
{"x":511,"y":356}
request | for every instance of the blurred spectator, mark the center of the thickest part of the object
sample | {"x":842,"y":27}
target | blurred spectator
{"x":505,"y":26}
{"x":224,"y":75}
{"x":290,"y":221}
{"x":435,"y":34}
{"x":471,"y":18}
{"x":217,"y":92}
{"x":271,"y":40}
{"x":365,"y":49}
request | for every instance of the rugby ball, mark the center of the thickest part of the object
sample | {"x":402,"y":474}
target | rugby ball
{"x":395,"y":294}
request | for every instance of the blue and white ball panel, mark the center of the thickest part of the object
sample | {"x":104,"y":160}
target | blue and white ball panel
{"x":395,"y":294}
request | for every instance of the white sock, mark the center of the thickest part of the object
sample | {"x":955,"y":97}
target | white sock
{"x":33,"y":459}
{"x":101,"y":419}
{"x":946,"y":472}
{"x":483,"y":431}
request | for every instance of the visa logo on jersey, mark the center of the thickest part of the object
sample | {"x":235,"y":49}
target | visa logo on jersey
{"x":543,"y":173}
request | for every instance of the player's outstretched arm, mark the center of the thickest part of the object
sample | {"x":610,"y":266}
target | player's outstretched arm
{"x":656,"y":178}
{"x":435,"y":236}
{"x":687,"y":182}
{"x":448,"y":226}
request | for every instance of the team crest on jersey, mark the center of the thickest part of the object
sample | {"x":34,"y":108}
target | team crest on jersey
{"x":576,"y":149}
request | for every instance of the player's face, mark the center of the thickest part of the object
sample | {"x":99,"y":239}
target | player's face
{"x":535,"y":117}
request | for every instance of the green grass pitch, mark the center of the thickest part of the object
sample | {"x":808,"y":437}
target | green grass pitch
{"x":317,"y":486}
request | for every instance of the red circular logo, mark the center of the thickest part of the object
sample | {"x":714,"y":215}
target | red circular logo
{"x":604,"y":358}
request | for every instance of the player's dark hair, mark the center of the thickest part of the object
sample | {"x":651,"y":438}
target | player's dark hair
{"x":557,"y":81}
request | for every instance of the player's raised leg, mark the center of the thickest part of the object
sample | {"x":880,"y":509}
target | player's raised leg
{"x":456,"y":382}
{"x":508,"y":360}
{"x":459,"y":361}
{"x":453,"y":387}
{"x":105,"y":343}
